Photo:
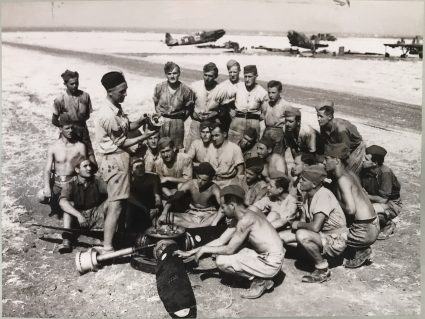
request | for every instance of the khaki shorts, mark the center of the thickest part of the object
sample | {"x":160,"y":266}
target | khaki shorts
{"x":248,"y":262}
{"x":363,"y":234}
{"x":115,"y":171}
{"x":334,"y":243}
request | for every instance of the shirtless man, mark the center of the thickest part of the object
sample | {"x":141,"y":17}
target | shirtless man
{"x":225,"y":157}
{"x":205,"y":196}
{"x":60,"y":164}
{"x":173,"y":167}
{"x":198,"y":149}
{"x":260,"y":263}
{"x":356,"y":204}
{"x":279,"y":206}
{"x":336,"y":130}
{"x":322,"y":228}
{"x":272,"y":162}
{"x":76,"y":105}
{"x":84,"y":199}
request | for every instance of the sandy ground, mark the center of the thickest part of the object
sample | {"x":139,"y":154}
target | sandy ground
{"x":38,"y":282}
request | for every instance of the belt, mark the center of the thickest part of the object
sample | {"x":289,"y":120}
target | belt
{"x":365,"y":221}
{"x":248,"y":116}
{"x":63,"y":178}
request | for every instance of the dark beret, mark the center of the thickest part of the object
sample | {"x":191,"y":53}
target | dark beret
{"x":376,"y":150}
{"x":112,"y":79}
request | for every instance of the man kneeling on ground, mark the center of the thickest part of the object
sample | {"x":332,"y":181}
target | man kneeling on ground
{"x":259,"y":264}
{"x":382,"y":187}
{"x":322,"y":228}
{"x":205,"y":196}
{"x":83,"y":199}
{"x":364,"y":229}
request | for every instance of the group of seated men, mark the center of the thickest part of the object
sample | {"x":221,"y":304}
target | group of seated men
{"x":254,"y":166}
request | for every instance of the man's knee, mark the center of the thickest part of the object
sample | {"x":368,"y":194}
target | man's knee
{"x":303,"y":237}
{"x":222,"y":264}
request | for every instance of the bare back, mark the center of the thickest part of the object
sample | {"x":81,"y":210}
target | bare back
{"x":350,"y":191}
{"x":262,"y":236}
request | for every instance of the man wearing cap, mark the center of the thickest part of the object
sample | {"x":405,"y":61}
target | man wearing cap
{"x":274,"y":115}
{"x":248,"y":143}
{"x":205,"y":199}
{"x":252,"y":182}
{"x":322,"y":229}
{"x":259,"y":264}
{"x":112,"y":127}
{"x":173,"y":167}
{"x":207,"y":101}
{"x":198,"y":148}
{"x":60,"y":164}
{"x":84,"y":199}
{"x":76,"y":105}
{"x":356,"y":204}
{"x":273,"y":162}
{"x":336,"y":130}
{"x":279,"y":206}
{"x":225,"y":157}
{"x":299,"y":136}
{"x":249,"y":103}
{"x":383,"y":188}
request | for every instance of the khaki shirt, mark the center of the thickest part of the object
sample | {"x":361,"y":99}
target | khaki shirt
{"x":182,"y":167}
{"x":111,"y":128}
{"x":77,"y":107}
{"x":224,"y":159}
{"x":250,"y":101}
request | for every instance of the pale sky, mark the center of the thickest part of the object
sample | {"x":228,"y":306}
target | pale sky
{"x":380,"y":17}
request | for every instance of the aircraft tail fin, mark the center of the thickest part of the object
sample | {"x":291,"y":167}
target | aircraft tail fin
{"x":168,"y":38}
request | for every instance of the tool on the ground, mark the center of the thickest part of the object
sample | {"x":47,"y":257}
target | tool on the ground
{"x":71,"y":230}
{"x":91,"y":260}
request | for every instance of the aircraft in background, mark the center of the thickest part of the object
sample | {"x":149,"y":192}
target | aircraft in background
{"x":342,"y":2}
{"x":196,"y":38}
{"x":407,"y":48}
{"x":298,"y":39}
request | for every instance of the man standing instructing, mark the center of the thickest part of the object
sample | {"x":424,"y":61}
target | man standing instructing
{"x":111,"y":128}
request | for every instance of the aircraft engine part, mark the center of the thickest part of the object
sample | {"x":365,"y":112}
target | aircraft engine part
{"x":146,"y":260}
{"x":91,"y":260}
{"x":172,"y":281}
